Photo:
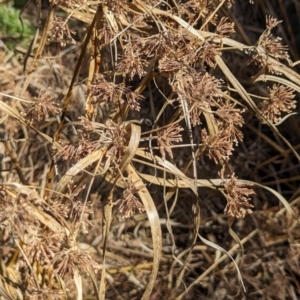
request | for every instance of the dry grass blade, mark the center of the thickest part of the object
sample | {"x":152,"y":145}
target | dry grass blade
{"x":132,"y":146}
{"x":77,"y":168}
{"x":213,"y":266}
{"x":168,"y":167}
{"x":3,"y":288}
{"x":78,"y":282}
{"x":46,"y":219}
{"x":94,"y":281}
{"x":75,"y":75}
{"x":214,"y":184}
{"x":281,"y":80}
{"x":107,"y":218}
{"x":39,"y":50}
{"x":155,"y":230}
{"x":283,"y":201}
{"x":175,"y":183}
{"x":217,"y":247}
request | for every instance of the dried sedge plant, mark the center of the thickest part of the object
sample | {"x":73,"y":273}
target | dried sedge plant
{"x":167,"y":137}
{"x":179,"y":59}
{"x":45,"y":104}
{"x":103,"y":91}
{"x":268,"y":47}
{"x":237,"y":195}
{"x":280,"y":100}
{"x":61,"y":32}
{"x":186,"y":65}
{"x":117,"y":135}
{"x":129,"y":204}
{"x":56,"y":253}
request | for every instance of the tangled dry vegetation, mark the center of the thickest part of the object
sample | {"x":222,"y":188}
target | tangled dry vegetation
{"x":149,"y":150}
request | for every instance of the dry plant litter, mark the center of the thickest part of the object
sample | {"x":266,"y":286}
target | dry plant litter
{"x":137,"y":143}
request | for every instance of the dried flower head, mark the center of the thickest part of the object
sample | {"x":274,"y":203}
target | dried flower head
{"x":229,"y":114}
{"x":129,"y":204}
{"x":61,"y":32}
{"x":15,"y":214}
{"x":159,"y":44}
{"x":83,"y":147}
{"x":169,"y":65}
{"x":280,"y":100}
{"x":66,"y":152}
{"x":71,"y":260}
{"x":197,"y":9}
{"x":167,"y":137}
{"x":224,"y":27}
{"x":131,"y":66}
{"x":237,"y":196}
{"x":87,"y":124}
{"x":105,"y":34}
{"x":103,"y":91}
{"x":199,"y":90}
{"x":271,"y":22}
{"x":269,"y":46}
{"x":117,"y":135}
{"x":117,"y":6}
{"x":43,"y":106}
{"x":42,"y":247}
{"x":234,"y":135}
{"x":78,"y":212}
{"x":79,"y":215}
{"x":229,"y":118}
{"x":202,"y":52}
{"x":219,"y":147}
{"x":133,"y":99}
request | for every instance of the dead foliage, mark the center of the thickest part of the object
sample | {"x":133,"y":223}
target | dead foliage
{"x":150,"y":150}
